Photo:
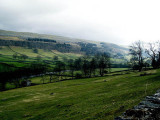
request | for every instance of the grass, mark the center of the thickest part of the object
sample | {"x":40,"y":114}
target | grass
{"x":4,"y":50}
{"x":118,"y":69}
{"x":6,"y":55}
{"x":45,"y":54}
{"x":82,"y":99}
{"x":10,"y":38}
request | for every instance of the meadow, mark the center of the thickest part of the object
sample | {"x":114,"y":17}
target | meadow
{"x":6,"y":56}
{"x":96,"y":98}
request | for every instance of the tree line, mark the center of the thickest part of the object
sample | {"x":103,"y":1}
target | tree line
{"x":41,"y":40}
{"x":61,"y":47}
{"x":97,"y":65}
{"x":15,"y":76}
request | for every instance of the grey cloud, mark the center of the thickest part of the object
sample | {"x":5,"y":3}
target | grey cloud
{"x":49,"y":17}
{"x":101,"y":20}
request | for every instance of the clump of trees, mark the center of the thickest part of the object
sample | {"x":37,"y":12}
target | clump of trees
{"x":144,"y":54}
{"x":89,"y":66}
{"x":88,"y":48}
{"x":15,"y":77}
{"x":84,"y":66}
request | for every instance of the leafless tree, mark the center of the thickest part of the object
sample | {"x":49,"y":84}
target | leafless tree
{"x":136,"y":51}
{"x":152,"y":52}
{"x":158,"y":55}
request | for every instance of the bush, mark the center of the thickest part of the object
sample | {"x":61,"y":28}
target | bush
{"x":143,"y":74}
{"x":105,"y":71}
{"x":78,"y":75}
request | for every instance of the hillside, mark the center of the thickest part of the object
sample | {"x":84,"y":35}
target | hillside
{"x":101,"y":98}
{"x":20,"y":49}
{"x":81,"y":44}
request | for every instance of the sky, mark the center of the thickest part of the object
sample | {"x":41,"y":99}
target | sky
{"x":116,"y":21}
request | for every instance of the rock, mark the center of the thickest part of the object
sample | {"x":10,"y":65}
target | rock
{"x":51,"y":93}
{"x":157,"y":95}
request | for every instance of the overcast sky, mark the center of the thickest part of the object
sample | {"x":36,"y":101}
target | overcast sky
{"x":116,"y":21}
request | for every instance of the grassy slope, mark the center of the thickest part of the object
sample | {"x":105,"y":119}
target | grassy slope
{"x":62,"y":39}
{"x":19,"y":35}
{"x":91,"y":98}
{"x":10,"y":38}
{"x":6,"y":55}
{"x":118,"y":69}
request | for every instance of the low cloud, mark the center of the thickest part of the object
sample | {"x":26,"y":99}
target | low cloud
{"x":120,"y":22}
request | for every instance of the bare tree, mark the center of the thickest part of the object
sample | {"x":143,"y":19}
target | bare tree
{"x":158,"y":54}
{"x":136,"y":50}
{"x":152,"y":52}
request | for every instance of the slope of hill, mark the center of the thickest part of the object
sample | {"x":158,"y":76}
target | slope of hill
{"x":19,"y":49}
{"x":36,"y":35}
{"x":85,"y":45}
{"x":100,"y":98}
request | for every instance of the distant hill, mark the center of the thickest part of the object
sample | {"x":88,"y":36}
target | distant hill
{"x":62,"y":44}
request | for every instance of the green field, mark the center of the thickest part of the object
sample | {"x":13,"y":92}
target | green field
{"x":5,"y":50}
{"x":101,"y":98}
{"x":6,"y":55}
{"x":118,"y":69}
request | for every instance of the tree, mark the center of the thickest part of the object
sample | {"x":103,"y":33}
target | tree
{"x":23,"y":56}
{"x":71,"y":66}
{"x":16,"y":82}
{"x":136,"y":52}
{"x":65,"y":59}
{"x":3,"y":80}
{"x":50,"y":77}
{"x":38,"y":58}
{"x":85,"y":66}
{"x":93,"y":66}
{"x":35,"y":50}
{"x":15,"y":55}
{"x":152,"y":52}
{"x":103,"y":63}
{"x":55,"y":58}
{"x":158,"y":55}
{"x":43,"y":78}
{"x":78,"y":64}
{"x":60,"y":68}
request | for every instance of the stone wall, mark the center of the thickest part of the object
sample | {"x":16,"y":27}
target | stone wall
{"x":148,"y":109}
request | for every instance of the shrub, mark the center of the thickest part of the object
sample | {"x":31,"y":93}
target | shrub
{"x":78,"y":75}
